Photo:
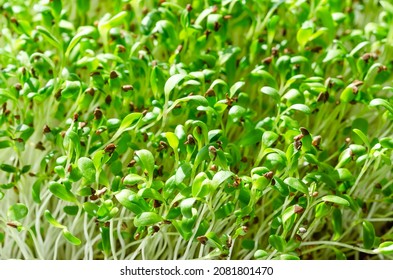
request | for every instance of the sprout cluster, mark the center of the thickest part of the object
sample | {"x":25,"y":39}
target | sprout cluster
{"x":233,"y":129}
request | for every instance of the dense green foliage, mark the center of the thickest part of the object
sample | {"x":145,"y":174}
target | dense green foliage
{"x":233,"y":129}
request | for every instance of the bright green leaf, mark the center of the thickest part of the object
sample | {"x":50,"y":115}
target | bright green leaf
{"x":87,"y":168}
{"x":71,"y":238}
{"x":147,"y":219}
{"x":385,"y":248}
{"x":368,"y":234}
{"x":335,"y":199}
{"x":17,"y":212}
{"x":48,"y":216}
{"x":62,"y":192}
{"x":277,"y":242}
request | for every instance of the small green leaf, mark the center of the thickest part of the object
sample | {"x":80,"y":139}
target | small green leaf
{"x":260,"y":183}
{"x":129,"y":121}
{"x":107,"y":23}
{"x":7,"y":186}
{"x":71,"y":139}
{"x":71,"y":89}
{"x":90,"y":208}
{"x":147,"y":160}
{"x":212,"y":19}
{"x":172,"y":82}
{"x":344,"y":174}
{"x":266,"y":77}
{"x":234,"y":89}
{"x":97,"y":159}
{"x":157,"y":80}
{"x":362,"y":136}
{"x":62,"y":192}
{"x":5,"y":144}
{"x":281,"y":187}
{"x":236,"y":113}
{"x":71,"y":210}
{"x":183,"y":172}
{"x":268,"y":138}
{"x":357,"y":149}
{"x":298,"y":59}
{"x":260,"y":254}
{"x":305,"y":33}
{"x":386,"y":142}
{"x":71,"y":238}
{"x":333,"y":54}
{"x":335,"y":199}
{"x":225,"y":210}
{"x":271,"y":92}
{"x":178,"y":225}
{"x":104,"y":209}
{"x":300,"y":107}
{"x":289,"y":218}
{"x":60,"y":171}
{"x":116,"y":19}
{"x":169,"y":37}
{"x":172,"y":140}
{"x":49,"y":37}
{"x":337,"y":224}
{"x":277,"y":242}
{"x":8,"y":168}
{"x":131,"y":201}
{"x":288,"y":257}
{"x":272,"y":28}
{"x":17,"y":212}
{"x":75,"y":175}
{"x":368,"y":234}
{"x":147,"y":219}
{"x":106,"y":240}
{"x":385,"y":248}
{"x":132,"y":179}
{"x":296,"y":184}
{"x":360,"y":46}
{"x":248,"y":244}
{"x":321,"y":210}
{"x":88,"y":169}
{"x":113,"y":124}
{"x":150,"y":193}
{"x":344,"y":158}
{"x":382,"y":102}
{"x":186,"y":207}
{"x":197,"y":99}
{"x":213,"y":240}
{"x":83,"y":31}
{"x":220,"y":177}
{"x":48,"y":216}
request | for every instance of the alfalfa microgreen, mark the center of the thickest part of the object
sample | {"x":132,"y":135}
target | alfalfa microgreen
{"x":216,"y":129}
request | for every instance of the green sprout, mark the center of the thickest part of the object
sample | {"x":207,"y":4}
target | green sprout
{"x":209,"y":129}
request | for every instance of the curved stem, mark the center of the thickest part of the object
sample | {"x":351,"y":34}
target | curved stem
{"x":339,"y":244}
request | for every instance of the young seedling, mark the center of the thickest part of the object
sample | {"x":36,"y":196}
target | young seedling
{"x":204,"y":130}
